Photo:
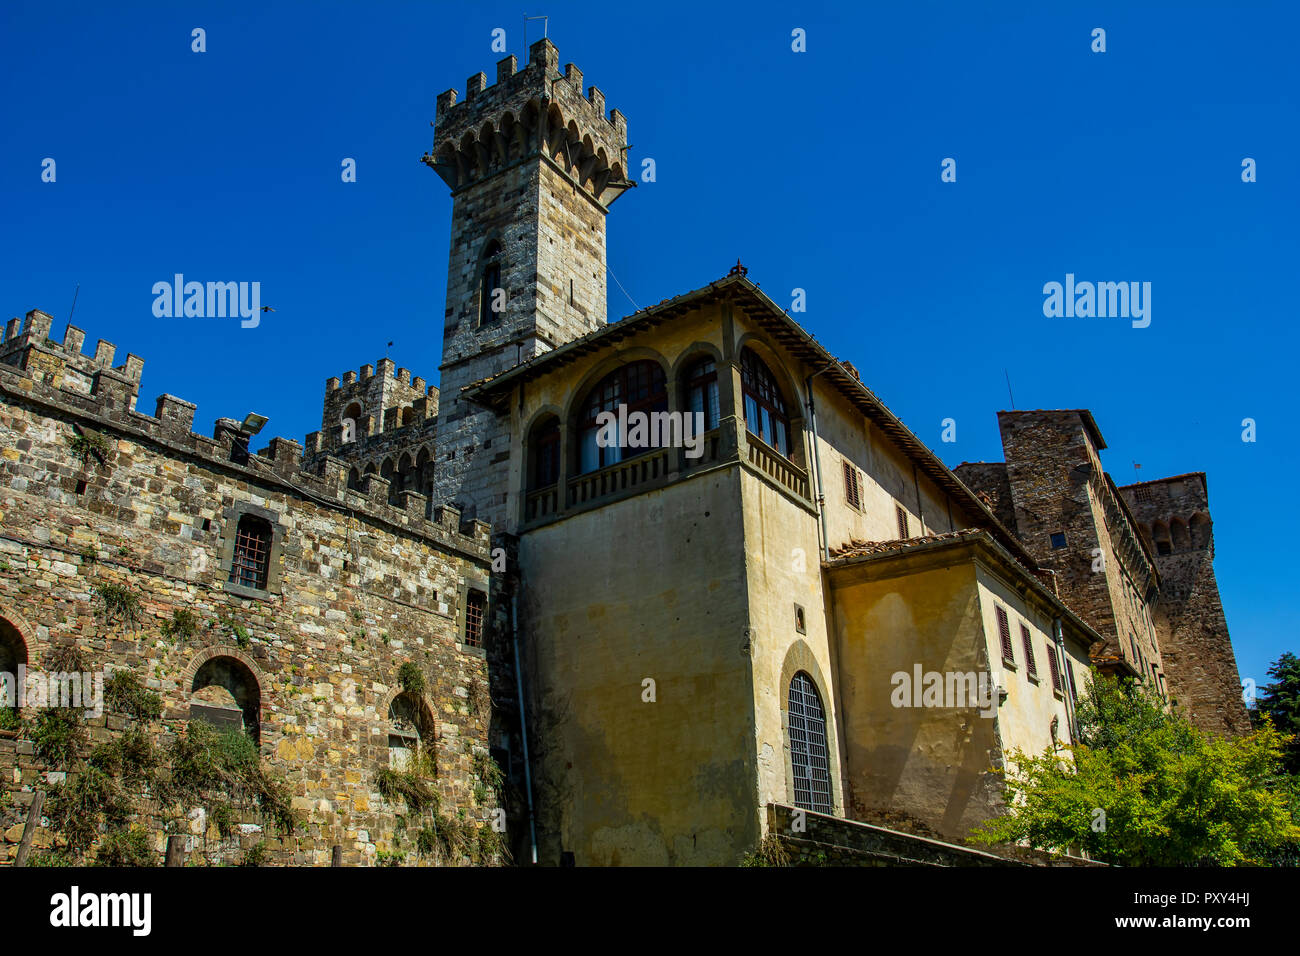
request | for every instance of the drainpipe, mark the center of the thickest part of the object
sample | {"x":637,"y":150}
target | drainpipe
{"x":1064,"y":662}
{"x":523,"y":725}
{"x":817,"y":463}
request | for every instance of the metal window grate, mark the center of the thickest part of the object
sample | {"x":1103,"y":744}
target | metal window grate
{"x":252,"y":554}
{"x":474,"y":603}
{"x":808,"y":755}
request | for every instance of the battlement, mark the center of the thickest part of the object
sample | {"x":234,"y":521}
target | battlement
{"x":530,"y":112}
{"x":1174,"y":512}
{"x":27,"y":345}
{"x":39,"y":372}
{"x":377,"y":400}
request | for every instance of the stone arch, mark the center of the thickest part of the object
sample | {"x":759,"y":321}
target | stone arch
{"x":228,"y":670}
{"x":787,"y":383}
{"x":1178,"y":533}
{"x":1201,"y":530}
{"x":354,"y":479}
{"x":410,"y":723}
{"x":598,"y":371}
{"x":1160,"y":537}
{"x":13,"y":656}
{"x":679,"y":379}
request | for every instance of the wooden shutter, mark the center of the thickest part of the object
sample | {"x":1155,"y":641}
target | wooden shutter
{"x":1031,"y":665}
{"x":1004,"y":632}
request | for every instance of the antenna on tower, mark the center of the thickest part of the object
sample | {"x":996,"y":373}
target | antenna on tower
{"x":546,"y":25}
{"x":74,"y":301}
{"x":1009,"y":395}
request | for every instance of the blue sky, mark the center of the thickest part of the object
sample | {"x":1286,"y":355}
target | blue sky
{"x":819,"y":170}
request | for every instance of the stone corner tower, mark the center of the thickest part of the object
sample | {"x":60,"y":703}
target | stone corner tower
{"x":533,"y":164}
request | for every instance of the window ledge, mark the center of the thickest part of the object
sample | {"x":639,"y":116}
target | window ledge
{"x":253,"y":594}
{"x":471,"y":651}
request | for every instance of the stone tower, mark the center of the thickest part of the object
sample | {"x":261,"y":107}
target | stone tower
{"x":533,"y":164}
{"x":1174,"y":514}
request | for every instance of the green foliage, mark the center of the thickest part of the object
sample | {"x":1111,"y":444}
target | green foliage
{"x":183,"y":625}
{"x":78,"y":804}
{"x":89,"y":445}
{"x":89,"y":555}
{"x":1280,"y":702}
{"x":126,"y":847}
{"x":218,"y":770}
{"x":1170,"y":794}
{"x":118,"y":604}
{"x":131,"y":757}
{"x":58,"y":735}
{"x":9,"y":719}
{"x":770,"y":852}
{"x":410,"y":785}
{"x":255,"y":855}
{"x":52,"y":858}
{"x":241,"y":635}
{"x":411,"y":678}
{"x":124,"y":694}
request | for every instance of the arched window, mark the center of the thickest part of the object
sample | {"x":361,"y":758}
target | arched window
{"x":13,"y":655}
{"x":409,"y":726}
{"x":225,"y":693}
{"x":809,"y":758}
{"x":544,"y":454}
{"x":702,"y":391}
{"x":765,"y":415}
{"x":252,"y":558}
{"x":491,"y":276}
{"x":642,"y":388}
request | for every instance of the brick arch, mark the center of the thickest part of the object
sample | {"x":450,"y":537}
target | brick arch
{"x":20,"y":624}
{"x":391,"y":695}
{"x":203,"y":658}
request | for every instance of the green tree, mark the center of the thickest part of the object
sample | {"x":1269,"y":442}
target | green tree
{"x":1145,"y":788}
{"x":1280,"y":702}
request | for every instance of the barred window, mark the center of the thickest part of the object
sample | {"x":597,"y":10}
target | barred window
{"x":809,"y":758}
{"x":252,"y":558}
{"x":852,"y":490}
{"x":475,"y":603}
{"x":1031,"y":665}
{"x":1004,"y":632}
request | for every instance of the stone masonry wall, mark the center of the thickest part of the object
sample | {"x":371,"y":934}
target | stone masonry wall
{"x":1199,"y":662}
{"x":357,"y":588}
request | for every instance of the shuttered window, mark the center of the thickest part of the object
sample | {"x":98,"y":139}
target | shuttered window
{"x":1004,"y":632}
{"x":903,"y":532}
{"x":1031,"y":665}
{"x":852,"y":490}
{"x":1056,"y":670}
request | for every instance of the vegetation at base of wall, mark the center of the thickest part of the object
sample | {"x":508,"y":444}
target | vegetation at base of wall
{"x":255,"y":855}
{"x":79,"y":805}
{"x":411,"y":785}
{"x":1146,"y":788}
{"x":117,"y":603}
{"x":58,"y":735}
{"x":770,"y":852}
{"x":411,"y":679}
{"x":184,"y":624}
{"x":124,"y":694}
{"x":9,"y":719}
{"x":126,"y":847}
{"x":221,"y":772}
{"x":51,"y":858}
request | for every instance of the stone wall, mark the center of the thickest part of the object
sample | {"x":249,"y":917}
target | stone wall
{"x":1174,"y":516}
{"x":357,"y":587}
